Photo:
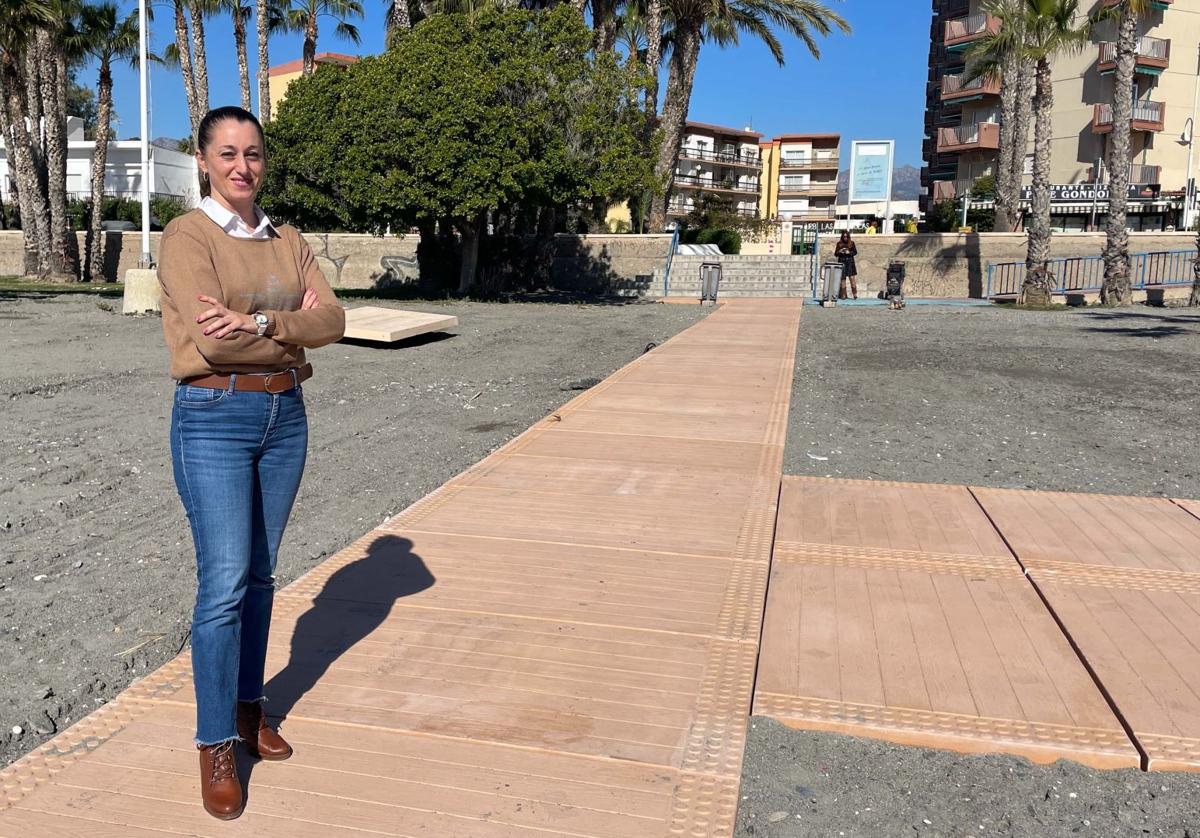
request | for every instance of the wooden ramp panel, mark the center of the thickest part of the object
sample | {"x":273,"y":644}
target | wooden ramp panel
{"x":1122,"y":574}
{"x":388,"y":325}
{"x":896,"y":612}
{"x":561,"y":641}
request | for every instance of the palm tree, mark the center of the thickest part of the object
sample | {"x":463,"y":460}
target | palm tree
{"x":654,"y":35}
{"x":19,"y":19}
{"x":180,"y":54}
{"x":1117,"y":289}
{"x":399,"y":19}
{"x":240,"y":11}
{"x":109,"y":39}
{"x":303,"y":17}
{"x":52,"y":42}
{"x":262,"y":29}
{"x":998,"y":57}
{"x":1051,"y":28}
{"x":722,"y":22}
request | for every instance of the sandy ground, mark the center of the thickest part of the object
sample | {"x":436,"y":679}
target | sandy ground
{"x":1082,"y":400}
{"x":96,"y":563}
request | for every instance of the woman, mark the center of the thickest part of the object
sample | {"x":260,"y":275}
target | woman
{"x":845,"y":250}
{"x":241,"y":300}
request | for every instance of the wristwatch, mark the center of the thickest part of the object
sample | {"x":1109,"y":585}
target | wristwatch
{"x":262,"y":321}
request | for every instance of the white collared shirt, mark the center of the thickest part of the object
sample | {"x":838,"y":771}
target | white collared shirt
{"x":233,"y":224}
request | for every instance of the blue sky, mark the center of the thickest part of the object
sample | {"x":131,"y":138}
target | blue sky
{"x":869,"y":85}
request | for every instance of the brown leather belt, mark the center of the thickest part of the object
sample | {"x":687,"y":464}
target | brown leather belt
{"x":276,"y":382}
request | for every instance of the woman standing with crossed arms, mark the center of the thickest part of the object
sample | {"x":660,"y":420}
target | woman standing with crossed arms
{"x":241,"y":300}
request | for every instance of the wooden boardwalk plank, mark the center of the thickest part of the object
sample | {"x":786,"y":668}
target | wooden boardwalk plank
{"x":561,"y":641}
{"x":896,"y":611}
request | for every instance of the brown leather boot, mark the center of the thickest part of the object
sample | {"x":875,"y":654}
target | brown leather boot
{"x":261,"y":741}
{"x":219,"y":785}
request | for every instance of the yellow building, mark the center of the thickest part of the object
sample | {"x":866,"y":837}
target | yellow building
{"x":799,"y":178}
{"x":282,"y":75}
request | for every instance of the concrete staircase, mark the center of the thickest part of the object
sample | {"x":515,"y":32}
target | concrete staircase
{"x":741,"y":276}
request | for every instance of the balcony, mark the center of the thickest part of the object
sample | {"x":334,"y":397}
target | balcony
{"x":1153,"y":56}
{"x":964,"y":31}
{"x":812,"y":214}
{"x":802,"y":164}
{"x":1161,"y":5}
{"x":824,"y":189}
{"x":697,"y":182}
{"x":1139,"y":175}
{"x":1147,"y":116}
{"x":981,"y":135}
{"x":955,"y":90}
{"x":677,"y":209}
{"x":725,"y":158}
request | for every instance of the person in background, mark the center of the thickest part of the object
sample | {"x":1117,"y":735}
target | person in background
{"x":242,"y":299}
{"x":844,"y":251}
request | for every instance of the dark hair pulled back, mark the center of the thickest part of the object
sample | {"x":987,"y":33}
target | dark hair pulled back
{"x":204,"y":132}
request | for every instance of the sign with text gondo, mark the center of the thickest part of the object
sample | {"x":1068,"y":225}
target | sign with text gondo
{"x":871,"y":170}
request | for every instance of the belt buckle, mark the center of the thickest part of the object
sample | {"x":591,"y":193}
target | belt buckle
{"x":270,"y":385}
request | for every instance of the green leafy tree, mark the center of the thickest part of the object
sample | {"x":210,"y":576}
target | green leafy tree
{"x":467,"y":122}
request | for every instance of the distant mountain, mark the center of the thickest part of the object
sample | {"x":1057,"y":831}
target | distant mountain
{"x":906,"y":184}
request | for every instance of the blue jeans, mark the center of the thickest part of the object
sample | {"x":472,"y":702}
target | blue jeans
{"x":238,"y":457}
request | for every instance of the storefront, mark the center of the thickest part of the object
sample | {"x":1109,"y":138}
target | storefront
{"x":1083,"y":207}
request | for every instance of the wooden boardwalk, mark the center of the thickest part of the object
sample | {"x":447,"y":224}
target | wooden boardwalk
{"x":1044,"y":624}
{"x":559,"y":642}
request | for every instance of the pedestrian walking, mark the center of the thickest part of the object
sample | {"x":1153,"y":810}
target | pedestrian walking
{"x":242,"y":299}
{"x":845,"y":250}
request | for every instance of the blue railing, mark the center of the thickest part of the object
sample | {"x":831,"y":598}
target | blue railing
{"x":670,"y":256}
{"x":1080,"y":274}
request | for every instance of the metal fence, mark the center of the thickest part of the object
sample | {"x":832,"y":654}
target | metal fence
{"x":1080,"y":274}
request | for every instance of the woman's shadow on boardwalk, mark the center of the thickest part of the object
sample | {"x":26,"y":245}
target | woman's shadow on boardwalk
{"x":355,"y":601}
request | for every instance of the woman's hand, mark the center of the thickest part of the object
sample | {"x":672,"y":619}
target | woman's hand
{"x":311,"y":300}
{"x":224,"y":322}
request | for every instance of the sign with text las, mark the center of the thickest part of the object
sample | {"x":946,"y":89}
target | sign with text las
{"x":1074,"y":193}
{"x":871,"y":170}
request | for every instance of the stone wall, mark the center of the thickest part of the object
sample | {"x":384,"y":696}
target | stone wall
{"x":609,"y":263}
{"x":955,"y":264}
{"x":349,"y":260}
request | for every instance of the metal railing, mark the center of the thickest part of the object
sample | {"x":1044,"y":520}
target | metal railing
{"x":697,"y":153}
{"x":1147,"y":47}
{"x":961,"y":134}
{"x":670,"y":258}
{"x":1139,"y":174}
{"x":710,"y":183}
{"x":955,"y":84}
{"x":827,"y":161}
{"x":969,"y":26}
{"x":1081,"y":274}
{"x":1142,"y":112}
{"x":810,"y":188}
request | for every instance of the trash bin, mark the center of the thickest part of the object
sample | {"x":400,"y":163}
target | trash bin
{"x":710,"y":281}
{"x":831,"y":282}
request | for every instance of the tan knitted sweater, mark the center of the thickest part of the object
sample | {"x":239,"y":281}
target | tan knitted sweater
{"x":247,"y":275}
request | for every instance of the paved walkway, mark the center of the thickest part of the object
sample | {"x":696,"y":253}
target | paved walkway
{"x":561,"y":641}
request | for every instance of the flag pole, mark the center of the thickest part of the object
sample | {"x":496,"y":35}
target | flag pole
{"x":143,"y":70}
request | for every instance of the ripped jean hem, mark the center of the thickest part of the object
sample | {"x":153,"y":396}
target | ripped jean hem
{"x":200,"y":744}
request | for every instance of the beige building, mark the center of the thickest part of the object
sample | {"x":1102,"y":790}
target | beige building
{"x":800,"y":173}
{"x":962,"y":118}
{"x":719,"y":160}
{"x":282,"y":75}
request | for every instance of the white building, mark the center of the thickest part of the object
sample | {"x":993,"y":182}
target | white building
{"x":719,"y":160}
{"x":172,"y":173}
{"x":863,"y":211}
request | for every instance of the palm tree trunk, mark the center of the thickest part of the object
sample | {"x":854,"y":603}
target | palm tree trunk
{"x":184,"y":48}
{"x":653,"y":56}
{"x":674,"y":116}
{"x":310,"y":43}
{"x":1038,"y":282}
{"x":199,"y":56}
{"x":1022,"y":117}
{"x":399,"y":21}
{"x":580,"y":6}
{"x":262,"y":22}
{"x":1116,"y":289}
{"x":1009,"y":83}
{"x":35,"y":214}
{"x":239,"y":40}
{"x":94,"y":243}
{"x":54,"y":98}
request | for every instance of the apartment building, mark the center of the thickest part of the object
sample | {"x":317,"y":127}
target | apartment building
{"x":962,"y":130}
{"x":800,"y":173}
{"x":723,"y":161}
{"x":280,"y":77}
